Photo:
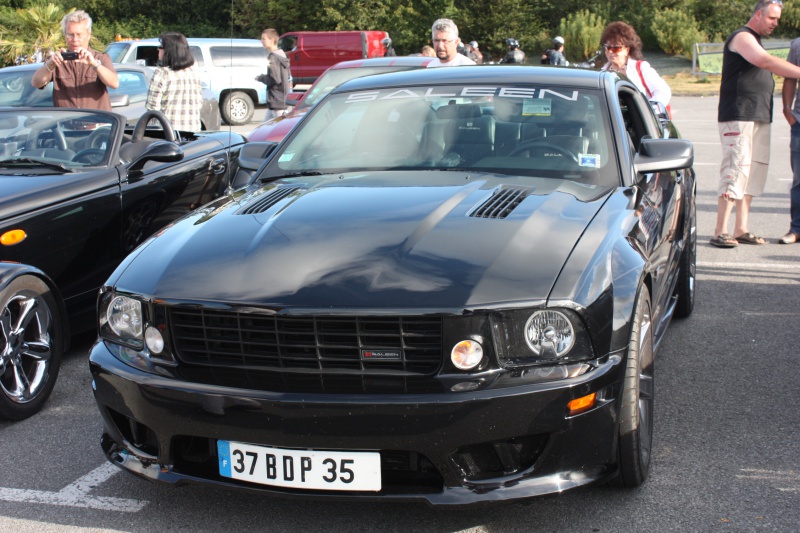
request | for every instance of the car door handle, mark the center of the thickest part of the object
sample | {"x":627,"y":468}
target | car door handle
{"x":218,"y":166}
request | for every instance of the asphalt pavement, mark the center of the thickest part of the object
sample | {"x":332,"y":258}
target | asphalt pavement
{"x":726,"y":447}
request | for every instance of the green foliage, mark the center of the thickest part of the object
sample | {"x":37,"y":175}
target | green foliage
{"x":35,"y":27}
{"x":581,"y":31}
{"x":676,"y":32}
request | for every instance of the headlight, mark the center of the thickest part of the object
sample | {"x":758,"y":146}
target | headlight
{"x":134,"y":332}
{"x":121,"y":320}
{"x":549,"y":334}
{"x":542,"y":336}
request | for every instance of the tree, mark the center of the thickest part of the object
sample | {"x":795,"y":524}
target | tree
{"x":35,"y":27}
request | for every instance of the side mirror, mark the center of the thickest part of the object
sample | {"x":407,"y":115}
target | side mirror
{"x":161,"y":151}
{"x":663,"y":155}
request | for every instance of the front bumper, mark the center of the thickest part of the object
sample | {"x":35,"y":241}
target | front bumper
{"x":444,"y":449}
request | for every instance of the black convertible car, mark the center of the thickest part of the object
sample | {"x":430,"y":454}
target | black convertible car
{"x":445,"y":285}
{"x":77,"y":194}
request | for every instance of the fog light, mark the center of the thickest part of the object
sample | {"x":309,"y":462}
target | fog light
{"x":581,"y":405}
{"x":154,"y":340}
{"x":466,"y":355}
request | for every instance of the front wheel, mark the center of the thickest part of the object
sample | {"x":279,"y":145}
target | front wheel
{"x":237,"y":108}
{"x":31,"y":345}
{"x":636,"y":410}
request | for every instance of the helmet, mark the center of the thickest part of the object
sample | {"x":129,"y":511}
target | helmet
{"x":558,"y":39}
{"x":513,"y":43}
{"x":387,"y":42}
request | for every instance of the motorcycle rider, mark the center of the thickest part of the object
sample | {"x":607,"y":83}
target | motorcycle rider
{"x":514,"y":54}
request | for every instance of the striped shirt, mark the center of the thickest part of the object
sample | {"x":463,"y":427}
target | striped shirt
{"x":177,"y":94}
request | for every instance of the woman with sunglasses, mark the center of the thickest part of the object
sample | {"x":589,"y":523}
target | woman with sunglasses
{"x":623,"y":48}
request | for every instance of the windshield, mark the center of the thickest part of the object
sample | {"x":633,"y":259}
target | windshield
{"x":332,"y":78}
{"x":532,"y":130}
{"x":116,"y":51}
{"x":38,"y":141}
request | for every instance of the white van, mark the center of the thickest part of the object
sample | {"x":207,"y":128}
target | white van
{"x":227,"y":66}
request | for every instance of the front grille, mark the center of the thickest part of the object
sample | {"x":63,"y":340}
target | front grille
{"x":310,"y":345}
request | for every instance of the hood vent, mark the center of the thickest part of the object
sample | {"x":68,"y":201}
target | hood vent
{"x":502,"y":202}
{"x":266,"y":202}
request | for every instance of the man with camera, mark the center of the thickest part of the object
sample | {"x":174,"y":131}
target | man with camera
{"x":79,"y":74}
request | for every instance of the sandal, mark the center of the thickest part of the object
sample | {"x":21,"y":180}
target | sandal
{"x":724,"y":240}
{"x":749,"y":238}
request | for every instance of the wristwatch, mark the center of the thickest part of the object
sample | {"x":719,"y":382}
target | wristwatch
{"x":97,"y":65}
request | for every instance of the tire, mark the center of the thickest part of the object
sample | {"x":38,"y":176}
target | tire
{"x":686,"y":286}
{"x":31,"y":346}
{"x":636,"y":410}
{"x":237,"y":108}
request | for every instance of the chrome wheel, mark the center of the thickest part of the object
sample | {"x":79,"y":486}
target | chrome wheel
{"x":29,"y":347}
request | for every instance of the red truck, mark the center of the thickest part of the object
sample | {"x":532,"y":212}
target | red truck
{"x":310,"y":53}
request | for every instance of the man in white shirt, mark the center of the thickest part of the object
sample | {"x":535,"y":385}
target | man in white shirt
{"x":445,"y":43}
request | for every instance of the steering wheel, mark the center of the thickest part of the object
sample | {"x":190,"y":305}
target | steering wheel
{"x":98,"y":137}
{"x":141,"y":125}
{"x":58,"y":137}
{"x":530,"y":146}
{"x":91,"y":156}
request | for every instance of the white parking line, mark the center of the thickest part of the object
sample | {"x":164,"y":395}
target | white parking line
{"x":754,"y":266}
{"x":781,"y":477}
{"x":77,"y":494}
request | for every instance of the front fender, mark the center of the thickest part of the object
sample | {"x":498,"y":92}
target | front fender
{"x":11,"y":271}
{"x":604,"y":272}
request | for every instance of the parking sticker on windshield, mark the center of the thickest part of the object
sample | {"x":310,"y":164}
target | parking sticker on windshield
{"x":589,"y":160}
{"x":540,"y":107}
{"x":286,"y":156}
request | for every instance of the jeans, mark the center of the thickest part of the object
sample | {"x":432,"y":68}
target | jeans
{"x":795,"y":192}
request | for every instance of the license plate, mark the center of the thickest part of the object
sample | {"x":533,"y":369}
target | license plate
{"x":300,"y":469}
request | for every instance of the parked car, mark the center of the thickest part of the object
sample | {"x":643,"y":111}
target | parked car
{"x":276,"y":129}
{"x":128,"y":99}
{"x":77,"y":194}
{"x":310,"y":53}
{"x":228,"y":66}
{"x":445,"y":285}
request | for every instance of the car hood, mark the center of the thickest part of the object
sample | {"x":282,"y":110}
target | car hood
{"x":371,"y":241}
{"x":277,"y":128}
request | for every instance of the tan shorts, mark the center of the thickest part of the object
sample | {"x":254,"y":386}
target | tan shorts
{"x":745,"y":158}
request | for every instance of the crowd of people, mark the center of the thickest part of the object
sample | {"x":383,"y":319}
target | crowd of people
{"x":81,"y":77}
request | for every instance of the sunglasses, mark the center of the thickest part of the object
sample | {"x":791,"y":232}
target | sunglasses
{"x":614,"y":47}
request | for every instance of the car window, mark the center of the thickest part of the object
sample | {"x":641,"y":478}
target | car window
{"x":238,"y":56}
{"x":559,"y":132}
{"x":197,"y":54}
{"x":132,"y":83}
{"x":117,"y":51}
{"x":16,"y":90}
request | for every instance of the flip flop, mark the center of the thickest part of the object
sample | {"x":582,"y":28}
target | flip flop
{"x":724,"y":240}
{"x":749,"y":238}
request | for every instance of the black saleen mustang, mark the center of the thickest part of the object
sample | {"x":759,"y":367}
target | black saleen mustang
{"x":77,"y":194}
{"x":444,"y":285}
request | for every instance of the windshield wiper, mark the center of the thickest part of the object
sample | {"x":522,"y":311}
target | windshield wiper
{"x":27,"y":161}
{"x":294,"y":175}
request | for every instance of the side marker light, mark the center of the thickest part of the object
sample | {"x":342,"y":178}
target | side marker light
{"x":12,"y":237}
{"x":581,"y":405}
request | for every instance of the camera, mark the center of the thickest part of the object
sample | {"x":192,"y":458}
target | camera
{"x":69,"y":56}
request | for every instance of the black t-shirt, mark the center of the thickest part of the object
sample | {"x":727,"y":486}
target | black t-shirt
{"x":746,"y":91}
